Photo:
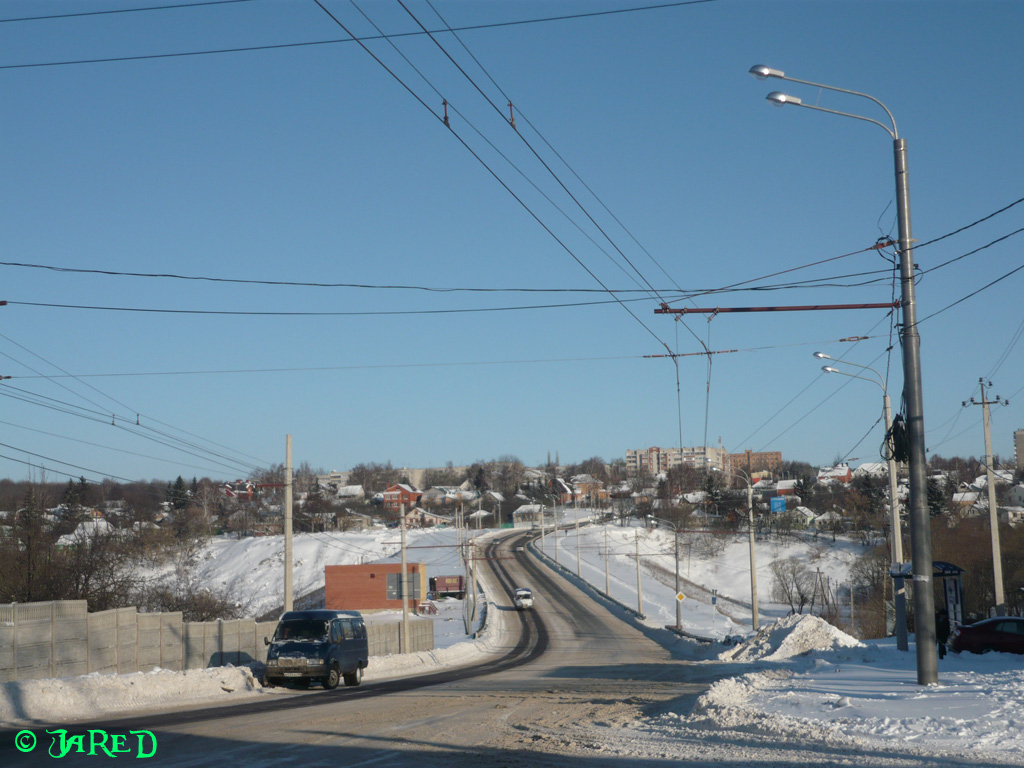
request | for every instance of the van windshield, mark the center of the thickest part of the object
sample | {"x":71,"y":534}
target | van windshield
{"x":301,"y":629}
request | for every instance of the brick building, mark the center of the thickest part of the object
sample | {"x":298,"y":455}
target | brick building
{"x":372,"y":587}
{"x":757,"y":461}
{"x":397,"y":495}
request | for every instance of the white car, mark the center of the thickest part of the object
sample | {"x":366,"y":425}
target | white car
{"x":523,"y":599}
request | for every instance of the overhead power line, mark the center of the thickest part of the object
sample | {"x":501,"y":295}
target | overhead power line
{"x":971,"y":294}
{"x":688,"y":292}
{"x":146,"y":426}
{"x":494,"y":174}
{"x":78,"y":14}
{"x":458,"y":364}
{"x":244,"y":49}
{"x":972,"y":224}
{"x":349,"y":313}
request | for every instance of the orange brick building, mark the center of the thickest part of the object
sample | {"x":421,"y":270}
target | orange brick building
{"x":757,"y":461}
{"x":372,"y":587}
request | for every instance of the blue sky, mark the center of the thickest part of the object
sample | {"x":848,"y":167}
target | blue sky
{"x":314,"y":164}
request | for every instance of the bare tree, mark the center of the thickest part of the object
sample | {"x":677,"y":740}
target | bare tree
{"x":792,"y":583}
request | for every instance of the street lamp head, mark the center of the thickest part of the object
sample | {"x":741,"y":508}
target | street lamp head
{"x":780,"y":99}
{"x":761,"y":72}
{"x":830,"y":369}
{"x":822,"y":356}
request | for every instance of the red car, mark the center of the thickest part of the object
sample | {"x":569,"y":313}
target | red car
{"x":1003,"y":633}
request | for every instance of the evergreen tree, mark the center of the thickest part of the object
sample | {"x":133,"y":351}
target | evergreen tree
{"x":179,"y":494}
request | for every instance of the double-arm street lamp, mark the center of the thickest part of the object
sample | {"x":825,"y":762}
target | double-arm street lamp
{"x":899,"y":595}
{"x":920,"y":532}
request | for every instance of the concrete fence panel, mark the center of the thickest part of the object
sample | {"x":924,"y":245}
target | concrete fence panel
{"x":421,"y":635}
{"x":385,"y":639}
{"x":70,"y":653}
{"x":172,"y":641}
{"x":263,"y":629}
{"x":61,"y":639}
{"x":127,"y":640}
{"x":101,"y":646}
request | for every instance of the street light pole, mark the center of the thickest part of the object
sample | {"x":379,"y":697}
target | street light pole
{"x":675,"y":533}
{"x":899,"y":591}
{"x":920,"y":531}
{"x":755,"y":620}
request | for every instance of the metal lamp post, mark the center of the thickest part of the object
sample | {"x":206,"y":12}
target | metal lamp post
{"x":899,"y":593}
{"x":920,"y":532}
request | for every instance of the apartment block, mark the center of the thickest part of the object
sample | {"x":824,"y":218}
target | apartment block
{"x":655,"y":460}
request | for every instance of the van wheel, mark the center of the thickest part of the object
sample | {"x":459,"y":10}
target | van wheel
{"x":330,"y":682}
{"x":354,"y":678}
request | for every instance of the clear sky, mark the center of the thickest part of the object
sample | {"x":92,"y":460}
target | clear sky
{"x":314,"y":164}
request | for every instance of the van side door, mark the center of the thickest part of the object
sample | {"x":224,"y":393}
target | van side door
{"x":337,"y":645}
{"x":350,"y":651}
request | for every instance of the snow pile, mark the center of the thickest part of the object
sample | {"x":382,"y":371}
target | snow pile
{"x":795,"y":635}
{"x":97,"y":695}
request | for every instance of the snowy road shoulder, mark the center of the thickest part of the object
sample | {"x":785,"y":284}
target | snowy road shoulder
{"x":817,"y":681}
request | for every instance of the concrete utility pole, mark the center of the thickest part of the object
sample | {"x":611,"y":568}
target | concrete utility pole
{"x":755,"y":619}
{"x":471,"y":572}
{"x":403,"y":646}
{"x":576,"y":502}
{"x":607,"y":554}
{"x":288,"y":596}
{"x":554,"y":532}
{"x":993,"y":512}
{"x":639,"y":591}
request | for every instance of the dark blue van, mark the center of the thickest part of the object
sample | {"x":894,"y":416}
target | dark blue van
{"x":321,"y":645}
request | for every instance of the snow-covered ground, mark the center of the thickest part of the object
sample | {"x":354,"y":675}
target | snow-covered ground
{"x":797,"y":675}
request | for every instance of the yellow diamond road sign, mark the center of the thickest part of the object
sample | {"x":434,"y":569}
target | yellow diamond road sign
{"x":680,"y":596}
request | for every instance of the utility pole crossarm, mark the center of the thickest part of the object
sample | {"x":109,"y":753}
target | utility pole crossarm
{"x":665,"y":309}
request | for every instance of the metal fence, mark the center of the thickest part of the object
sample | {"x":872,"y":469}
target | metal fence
{"x":62,"y":639}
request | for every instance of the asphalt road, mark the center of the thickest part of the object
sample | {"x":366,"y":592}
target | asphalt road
{"x":576,"y":687}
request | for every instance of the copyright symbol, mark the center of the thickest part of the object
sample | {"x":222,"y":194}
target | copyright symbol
{"x":25,"y":741}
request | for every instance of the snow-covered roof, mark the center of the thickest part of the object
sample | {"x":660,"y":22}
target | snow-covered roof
{"x":871,"y":468}
{"x":804,"y":512}
{"x":86,"y":530}
{"x":529,"y":509}
{"x":834,"y":473}
{"x":999,"y":475}
{"x":350,"y":492}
